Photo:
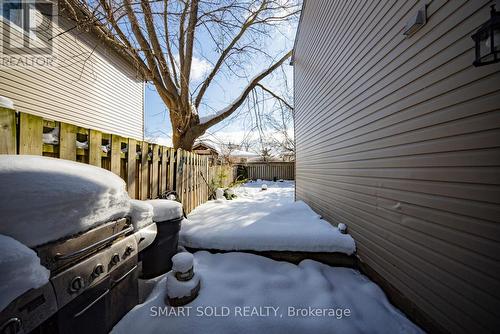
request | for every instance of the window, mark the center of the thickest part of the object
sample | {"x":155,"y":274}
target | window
{"x":13,"y":11}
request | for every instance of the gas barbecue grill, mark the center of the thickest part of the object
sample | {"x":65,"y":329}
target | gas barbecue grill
{"x":89,"y":245}
{"x":93,"y":283}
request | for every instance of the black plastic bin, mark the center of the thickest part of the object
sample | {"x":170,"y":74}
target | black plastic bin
{"x":157,"y":257}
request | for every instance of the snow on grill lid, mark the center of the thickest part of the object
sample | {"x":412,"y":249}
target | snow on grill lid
{"x":45,"y":199}
{"x":165,"y":209}
{"x":21,"y":270}
{"x":141,"y":213}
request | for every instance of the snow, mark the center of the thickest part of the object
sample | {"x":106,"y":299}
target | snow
{"x":84,"y":145}
{"x":253,"y":294}
{"x":6,"y":102}
{"x":44,"y":199}
{"x":342,"y":228}
{"x":243,"y":154}
{"x":165,"y":209}
{"x":219,"y":194}
{"x":20,"y":270}
{"x":182,"y":262}
{"x":179,"y":289}
{"x":207,"y":118}
{"x":262,"y":221}
{"x":208,"y":143}
{"x":141,"y":213}
{"x":51,"y":137}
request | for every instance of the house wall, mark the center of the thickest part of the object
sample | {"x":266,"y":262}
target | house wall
{"x":399,"y":138}
{"x":90,"y":86}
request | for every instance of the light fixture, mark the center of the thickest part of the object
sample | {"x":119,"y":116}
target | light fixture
{"x":416,"y":22}
{"x":487,"y":40}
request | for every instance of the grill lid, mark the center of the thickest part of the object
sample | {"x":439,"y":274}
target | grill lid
{"x":59,"y":255}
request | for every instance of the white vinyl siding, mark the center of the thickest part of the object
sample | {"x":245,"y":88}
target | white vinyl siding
{"x":91,"y":86}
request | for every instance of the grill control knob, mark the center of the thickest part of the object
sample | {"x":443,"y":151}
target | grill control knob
{"x":98,"y":270}
{"x":115,"y":259}
{"x":12,"y":326}
{"x":128,"y":250}
{"x":77,"y":283}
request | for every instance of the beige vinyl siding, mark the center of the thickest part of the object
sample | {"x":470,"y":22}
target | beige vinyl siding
{"x":399,"y":138}
{"x":90,"y":86}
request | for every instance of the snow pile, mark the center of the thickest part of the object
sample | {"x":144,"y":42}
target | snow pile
{"x":182,"y":262}
{"x":6,"y":102}
{"x":255,"y":293}
{"x":342,"y":228}
{"x":51,"y":137}
{"x":141,"y":213}
{"x":165,"y":209}
{"x":82,"y":144}
{"x":179,"y":289}
{"x":262,"y":221}
{"x":44,"y":199}
{"x":20,"y":270}
{"x":219,"y":194}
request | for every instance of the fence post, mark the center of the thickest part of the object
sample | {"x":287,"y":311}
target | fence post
{"x":198,"y":178}
{"x":189,"y":181}
{"x":30,"y":134}
{"x":67,"y":141}
{"x":154,"y":171}
{"x":116,"y":150}
{"x":95,"y":141}
{"x":8,"y":131}
{"x":171,"y":166}
{"x":163,"y":169}
{"x":178,"y":175}
{"x":131,"y":167}
{"x":143,"y":191}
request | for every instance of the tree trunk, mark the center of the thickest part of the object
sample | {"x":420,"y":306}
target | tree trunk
{"x":185,"y":139}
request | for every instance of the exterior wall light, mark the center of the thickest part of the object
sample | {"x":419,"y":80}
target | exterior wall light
{"x":487,"y":40}
{"x":416,"y":22}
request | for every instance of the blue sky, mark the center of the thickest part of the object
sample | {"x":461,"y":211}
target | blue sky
{"x":223,"y":90}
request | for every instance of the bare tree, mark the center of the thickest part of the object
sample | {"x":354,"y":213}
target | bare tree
{"x":272,"y":120}
{"x":161,"y":35}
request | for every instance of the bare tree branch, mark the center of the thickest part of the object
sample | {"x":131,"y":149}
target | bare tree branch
{"x":159,"y":37}
{"x":226,"y":52}
{"x":230,"y":109}
{"x":274,"y":95}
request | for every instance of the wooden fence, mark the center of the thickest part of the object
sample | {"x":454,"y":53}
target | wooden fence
{"x":270,"y":170}
{"x":148,"y":169}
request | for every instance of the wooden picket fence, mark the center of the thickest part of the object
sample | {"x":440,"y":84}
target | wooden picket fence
{"x":270,"y":170}
{"x":149,"y":170}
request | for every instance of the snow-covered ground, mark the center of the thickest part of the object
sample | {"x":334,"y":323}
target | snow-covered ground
{"x":262,"y":220}
{"x":246,"y":293}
